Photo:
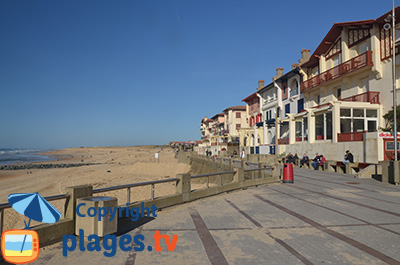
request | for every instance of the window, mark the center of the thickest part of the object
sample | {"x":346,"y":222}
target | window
{"x":238,"y":126}
{"x":294,"y":88}
{"x":301,"y":130}
{"x":315,"y":71}
{"x":319,"y":127}
{"x":372,"y":113}
{"x":358,"y":120}
{"x":362,"y":47}
{"x":287,"y":109}
{"x":323,"y":126}
{"x":300,"y":105}
{"x":267,"y":115}
{"x":335,"y":61}
{"x":238,"y":114}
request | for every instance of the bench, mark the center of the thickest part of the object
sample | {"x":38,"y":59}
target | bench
{"x":359,"y":166}
{"x":335,"y":166}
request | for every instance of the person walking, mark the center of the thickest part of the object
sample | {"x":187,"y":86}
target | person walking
{"x":243,"y":154}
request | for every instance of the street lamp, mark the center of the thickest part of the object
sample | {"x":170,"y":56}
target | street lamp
{"x":394,"y":82}
{"x":392,"y":18}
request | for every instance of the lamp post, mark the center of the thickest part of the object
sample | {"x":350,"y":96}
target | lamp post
{"x":387,"y":26}
{"x":394,"y":83}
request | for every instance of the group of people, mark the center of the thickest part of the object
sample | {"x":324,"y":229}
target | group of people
{"x":318,"y":160}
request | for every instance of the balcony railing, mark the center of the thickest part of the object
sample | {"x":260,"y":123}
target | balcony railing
{"x":300,"y":139}
{"x":350,"y":137}
{"x":283,"y":141}
{"x":347,"y":67}
{"x":371,"y":97}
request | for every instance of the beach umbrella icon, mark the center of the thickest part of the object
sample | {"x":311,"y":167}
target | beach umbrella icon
{"x":35,"y":207}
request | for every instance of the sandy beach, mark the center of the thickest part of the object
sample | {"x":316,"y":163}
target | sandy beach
{"x":114,"y":166}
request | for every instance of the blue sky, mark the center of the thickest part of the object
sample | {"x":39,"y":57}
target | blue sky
{"x":101,"y":73}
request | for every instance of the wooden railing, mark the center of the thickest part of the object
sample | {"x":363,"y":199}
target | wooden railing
{"x":349,"y":66}
{"x":371,"y":97}
{"x":350,"y":137}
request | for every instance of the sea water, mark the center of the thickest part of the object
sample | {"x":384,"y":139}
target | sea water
{"x":10,"y":156}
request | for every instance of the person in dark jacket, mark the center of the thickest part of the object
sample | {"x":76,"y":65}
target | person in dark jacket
{"x":317,"y":160}
{"x":348,"y":157}
{"x":304,"y":160}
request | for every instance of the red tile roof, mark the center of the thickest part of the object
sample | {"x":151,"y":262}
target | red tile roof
{"x":331,"y":37}
{"x":250,"y":97}
{"x":235,"y":108}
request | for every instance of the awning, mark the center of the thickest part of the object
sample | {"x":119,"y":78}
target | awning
{"x":298,"y":115}
{"x":324,"y":108}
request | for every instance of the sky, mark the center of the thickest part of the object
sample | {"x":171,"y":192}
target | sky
{"x":128,"y":72}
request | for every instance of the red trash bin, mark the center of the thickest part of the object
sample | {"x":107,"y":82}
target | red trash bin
{"x":288,"y":173}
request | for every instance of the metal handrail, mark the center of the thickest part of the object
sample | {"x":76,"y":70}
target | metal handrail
{"x":213,"y":174}
{"x":254,"y":169}
{"x":133,"y":185}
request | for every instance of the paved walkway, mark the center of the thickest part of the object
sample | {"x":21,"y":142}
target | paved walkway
{"x":323,"y":218}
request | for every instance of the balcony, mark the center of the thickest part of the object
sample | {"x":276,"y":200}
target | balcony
{"x":347,"y":67}
{"x":300,"y":139}
{"x":371,"y":97}
{"x":350,"y":137}
{"x":283,"y":141}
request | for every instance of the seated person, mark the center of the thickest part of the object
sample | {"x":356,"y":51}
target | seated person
{"x":322,"y":160}
{"x":348,"y":157}
{"x":304,"y":160}
{"x":317,"y":160}
{"x":295,"y":158}
{"x":289,"y":158}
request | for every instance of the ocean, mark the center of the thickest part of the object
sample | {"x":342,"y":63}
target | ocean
{"x":10,"y":156}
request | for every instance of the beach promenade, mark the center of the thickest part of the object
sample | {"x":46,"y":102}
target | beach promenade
{"x":323,"y":218}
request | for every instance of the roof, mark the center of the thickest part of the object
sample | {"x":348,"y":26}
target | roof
{"x":254,"y":95}
{"x":236,"y":108}
{"x":381,"y":19}
{"x":217,"y":115}
{"x":209,"y":120}
{"x":331,"y":37}
{"x":270,"y":85}
{"x":289,"y":74}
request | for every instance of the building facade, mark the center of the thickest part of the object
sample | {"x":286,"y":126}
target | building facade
{"x":347,"y":88}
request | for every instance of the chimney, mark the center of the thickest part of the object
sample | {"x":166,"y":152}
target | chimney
{"x":279,"y":73}
{"x":260,"y":84}
{"x":305,"y":56}
{"x":295,"y":65}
